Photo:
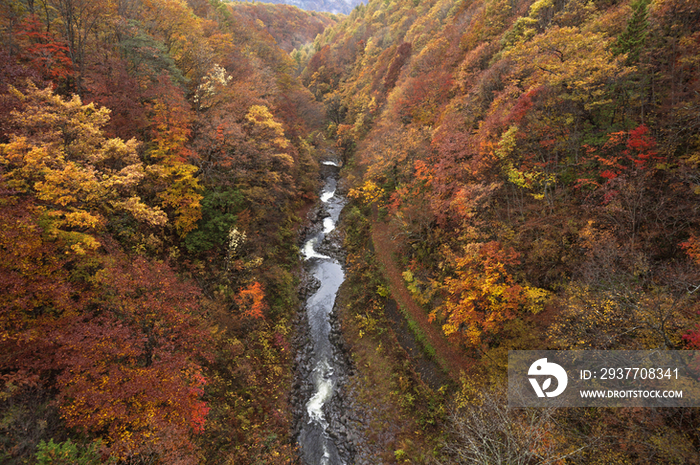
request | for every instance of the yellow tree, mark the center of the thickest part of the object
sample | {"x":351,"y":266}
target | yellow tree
{"x":576,"y":61}
{"x":268,"y":163}
{"x":174,"y":176}
{"x":483,"y":294}
{"x":180,"y":30}
{"x":59,"y":155}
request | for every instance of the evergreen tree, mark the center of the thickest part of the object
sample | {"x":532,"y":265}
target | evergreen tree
{"x":632,"y":39}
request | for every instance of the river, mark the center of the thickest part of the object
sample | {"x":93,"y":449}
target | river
{"x":322,"y":365}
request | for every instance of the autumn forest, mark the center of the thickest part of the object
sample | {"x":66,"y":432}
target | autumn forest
{"x":519,"y":174}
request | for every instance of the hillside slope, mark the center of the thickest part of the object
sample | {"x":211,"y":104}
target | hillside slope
{"x":153,"y":158}
{"x":329,"y":6}
{"x":538,"y":162}
{"x":290,"y":26}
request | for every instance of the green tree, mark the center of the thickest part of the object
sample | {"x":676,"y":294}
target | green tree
{"x":632,"y":39}
{"x":68,"y":453}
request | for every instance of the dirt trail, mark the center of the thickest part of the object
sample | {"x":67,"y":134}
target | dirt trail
{"x":448,"y":355}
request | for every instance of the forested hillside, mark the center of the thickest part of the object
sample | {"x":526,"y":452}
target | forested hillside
{"x":153,"y":157}
{"x":291,"y":27}
{"x":330,"y":6}
{"x":536,"y":164}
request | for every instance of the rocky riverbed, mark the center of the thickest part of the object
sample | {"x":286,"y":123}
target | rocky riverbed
{"x":322,"y":364}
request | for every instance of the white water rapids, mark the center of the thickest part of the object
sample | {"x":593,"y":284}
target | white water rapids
{"x":315,"y":440}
